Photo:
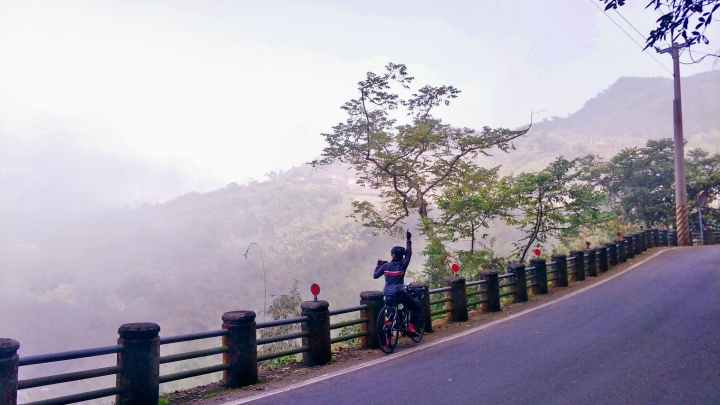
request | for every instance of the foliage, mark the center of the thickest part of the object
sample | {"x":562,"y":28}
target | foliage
{"x":349,"y":330}
{"x":438,"y":257}
{"x":282,"y":307}
{"x":678,"y":17}
{"x":407,"y":161}
{"x":598,"y":234}
{"x":554,"y":202}
{"x":468,"y":206}
{"x":639,"y":182}
{"x":703,"y":174}
{"x":485,"y":258}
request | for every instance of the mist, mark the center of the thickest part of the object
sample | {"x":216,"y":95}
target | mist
{"x":145,"y":146}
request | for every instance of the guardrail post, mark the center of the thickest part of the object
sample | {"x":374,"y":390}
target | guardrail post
{"x":493,"y":290}
{"x":708,"y":236}
{"x":241,"y":340}
{"x":656,"y":237}
{"x":139,"y":379}
{"x":561,"y":270}
{"x":518,"y":269}
{"x":9,"y":362}
{"x":664,"y":241}
{"x":458,"y":293}
{"x":629,"y":246}
{"x":621,"y":250}
{"x":612,"y":254}
{"x":672,"y":238}
{"x":579,"y":256}
{"x":541,"y":279}
{"x":374,"y":302}
{"x":602,"y":256}
{"x":592,"y":263}
{"x":636,"y":243}
{"x":318,"y":327}
{"x":425,"y":303}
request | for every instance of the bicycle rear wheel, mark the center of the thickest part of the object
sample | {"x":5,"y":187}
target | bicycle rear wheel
{"x":387,"y":335}
{"x":419,"y":328}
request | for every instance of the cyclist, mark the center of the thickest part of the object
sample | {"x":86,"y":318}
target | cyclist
{"x":394,"y":272}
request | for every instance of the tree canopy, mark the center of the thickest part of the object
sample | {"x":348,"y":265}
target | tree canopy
{"x":686,"y":19}
{"x":398,"y":147}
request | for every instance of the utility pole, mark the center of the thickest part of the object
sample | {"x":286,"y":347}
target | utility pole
{"x":681,"y":199}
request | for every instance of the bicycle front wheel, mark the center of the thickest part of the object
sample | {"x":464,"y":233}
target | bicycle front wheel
{"x":387,"y":335}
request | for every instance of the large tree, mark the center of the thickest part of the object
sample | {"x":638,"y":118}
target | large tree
{"x":680,"y":19}
{"x":555,"y":202}
{"x":395,"y":145}
{"x":641,"y":181}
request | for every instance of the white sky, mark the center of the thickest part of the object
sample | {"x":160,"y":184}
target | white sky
{"x":231,"y":90}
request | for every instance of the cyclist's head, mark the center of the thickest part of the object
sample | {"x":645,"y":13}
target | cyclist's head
{"x":397,"y":252}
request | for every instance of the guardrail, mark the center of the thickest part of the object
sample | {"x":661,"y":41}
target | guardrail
{"x":139,"y":345}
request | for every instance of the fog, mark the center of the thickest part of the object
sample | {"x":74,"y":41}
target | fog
{"x":145,"y":145}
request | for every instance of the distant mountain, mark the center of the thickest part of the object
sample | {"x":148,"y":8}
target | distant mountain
{"x":628,"y":113}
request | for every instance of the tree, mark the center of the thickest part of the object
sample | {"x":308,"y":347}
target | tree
{"x":639,"y":181}
{"x":470,"y":205}
{"x":408,"y":157}
{"x":283,"y":307}
{"x":554,"y":202}
{"x":704,"y":175}
{"x":678,"y":17}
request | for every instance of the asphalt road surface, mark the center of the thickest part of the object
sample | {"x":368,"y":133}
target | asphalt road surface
{"x":648,"y":336}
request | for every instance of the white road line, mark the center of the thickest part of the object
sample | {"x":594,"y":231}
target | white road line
{"x":428,"y":345}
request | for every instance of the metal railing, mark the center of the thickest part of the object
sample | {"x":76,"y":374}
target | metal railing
{"x":114,"y":370}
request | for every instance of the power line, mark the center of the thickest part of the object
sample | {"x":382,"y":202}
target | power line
{"x":630,"y":24}
{"x":629,"y":36}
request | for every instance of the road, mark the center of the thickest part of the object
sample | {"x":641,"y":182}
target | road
{"x":648,"y":336}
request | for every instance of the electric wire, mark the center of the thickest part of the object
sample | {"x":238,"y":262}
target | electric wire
{"x":629,"y":36}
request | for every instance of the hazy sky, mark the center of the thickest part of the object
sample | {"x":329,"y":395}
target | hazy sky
{"x":231,"y":90}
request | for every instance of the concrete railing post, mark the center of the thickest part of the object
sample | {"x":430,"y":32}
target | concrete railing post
{"x":9,"y":362}
{"x":241,"y":340}
{"x":629,"y":246}
{"x":425,"y":303}
{"x":493,"y":290}
{"x":602,"y":259}
{"x":656,"y":237}
{"x":664,"y":241}
{"x":612,"y":254}
{"x":707,"y":236}
{"x":579,"y":256}
{"x":374,"y":302}
{"x":518,"y":269}
{"x":560,"y":270}
{"x":541,"y":279}
{"x":636,"y":243}
{"x":318,"y":328}
{"x":458,"y":293}
{"x":621,"y":250}
{"x":672,"y":238}
{"x":139,"y":379}
{"x":592,"y":263}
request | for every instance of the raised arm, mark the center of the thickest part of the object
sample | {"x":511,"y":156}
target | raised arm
{"x":408,"y":251}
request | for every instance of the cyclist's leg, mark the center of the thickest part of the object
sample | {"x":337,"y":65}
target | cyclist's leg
{"x":411,"y":304}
